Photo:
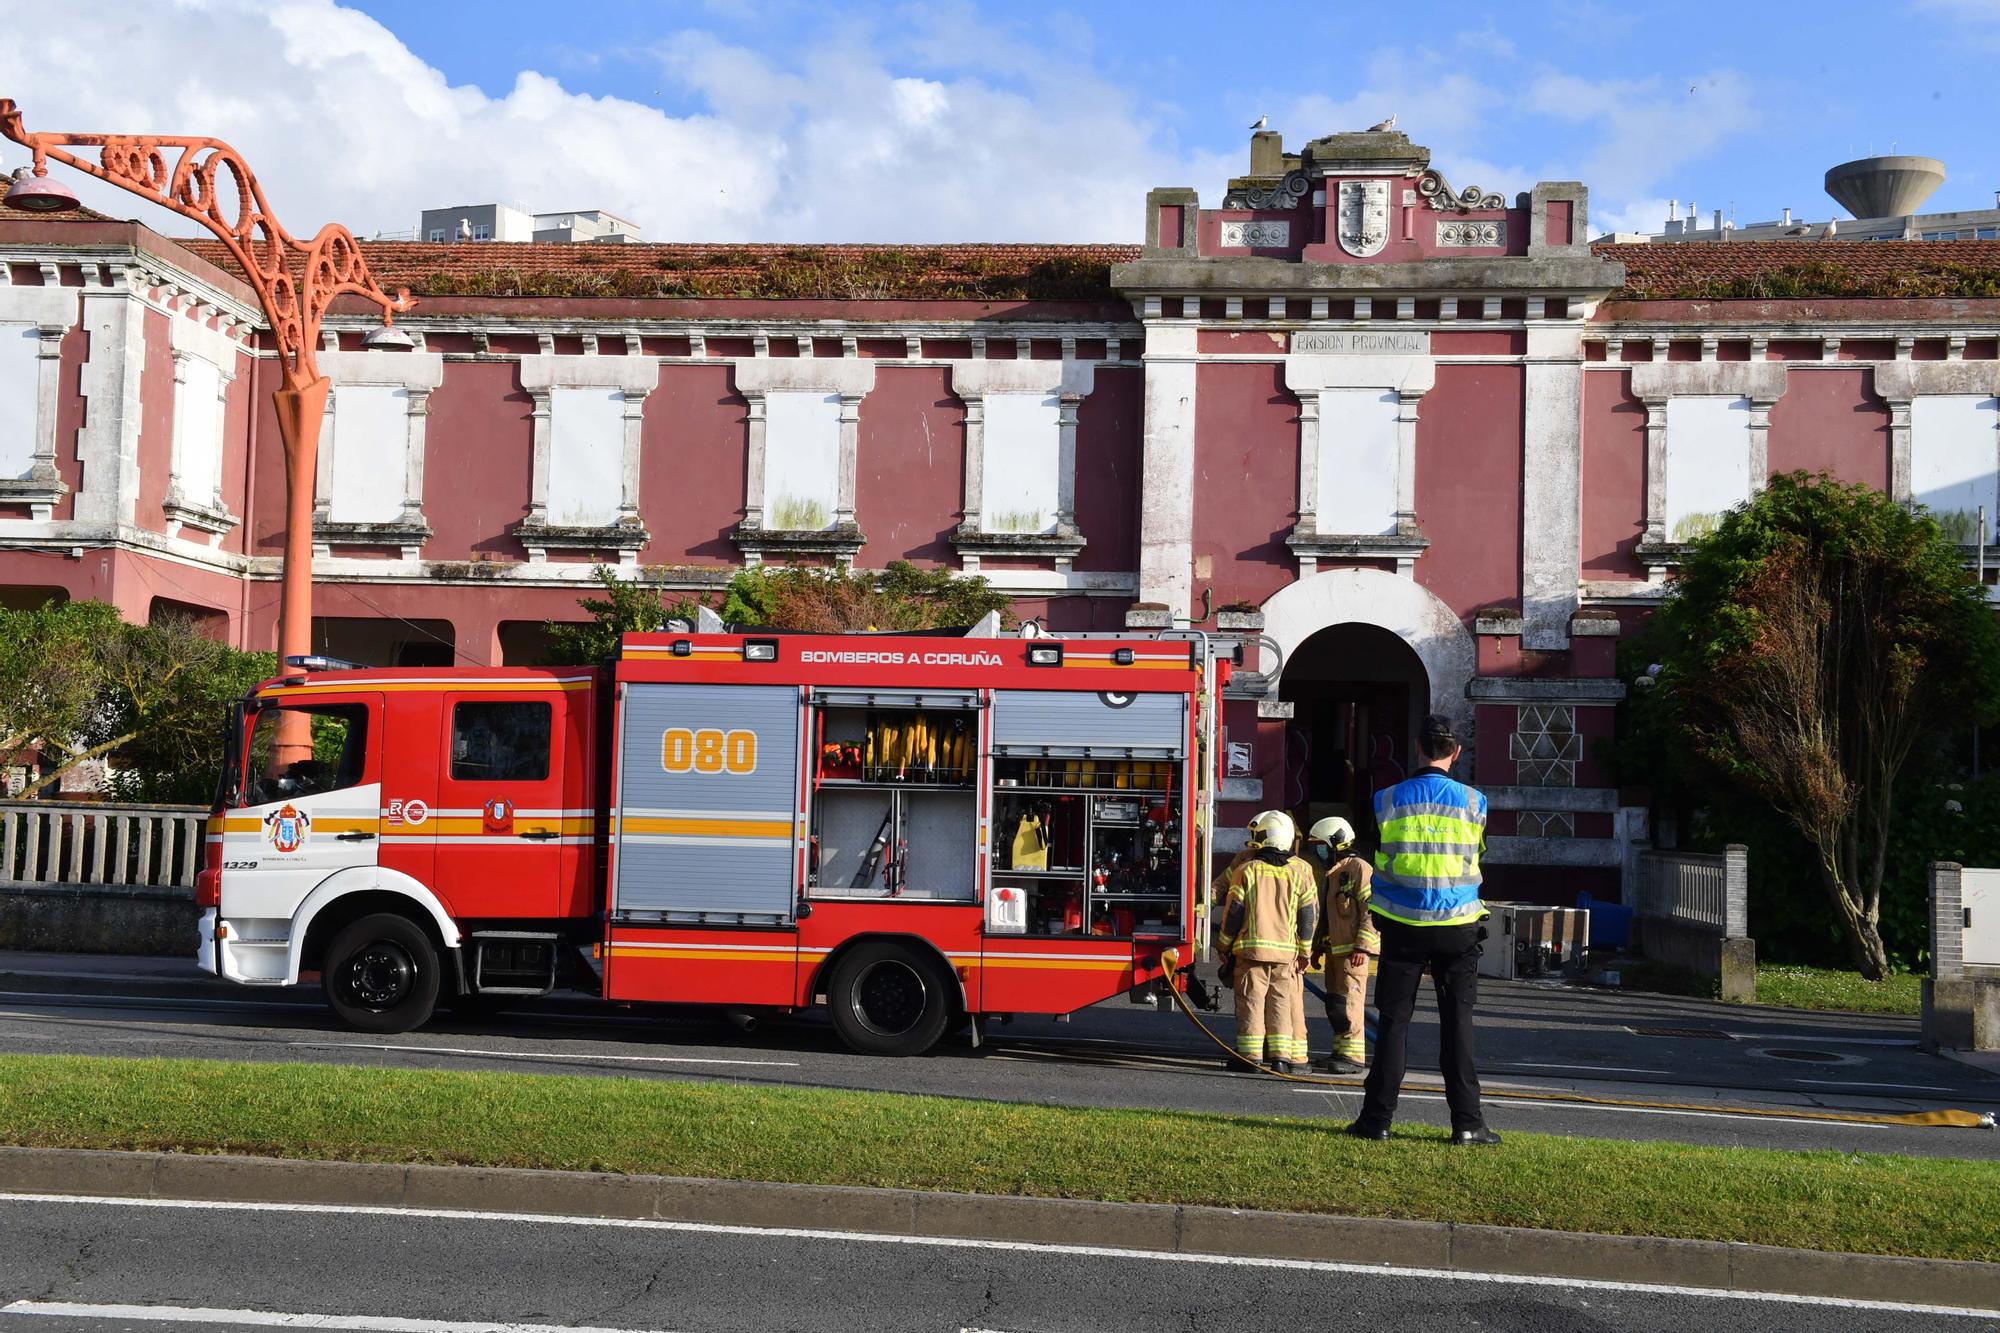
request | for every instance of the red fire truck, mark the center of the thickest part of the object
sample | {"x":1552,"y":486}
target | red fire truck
{"x":923,"y":830}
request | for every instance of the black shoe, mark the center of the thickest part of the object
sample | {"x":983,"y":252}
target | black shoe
{"x":1333,"y":1064}
{"x":1374,"y":1133}
{"x":1474,"y":1138}
{"x":1279,"y":1066}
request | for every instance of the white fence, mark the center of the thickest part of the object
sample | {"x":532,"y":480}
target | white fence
{"x":1710,"y":892}
{"x":77,"y":842}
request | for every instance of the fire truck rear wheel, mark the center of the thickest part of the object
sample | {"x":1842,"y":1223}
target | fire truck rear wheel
{"x":381,"y":974}
{"x":887,"y":999}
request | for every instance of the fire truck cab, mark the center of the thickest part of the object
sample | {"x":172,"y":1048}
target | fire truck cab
{"x":919,"y":829}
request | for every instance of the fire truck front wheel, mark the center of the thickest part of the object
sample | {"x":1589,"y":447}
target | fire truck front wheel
{"x":381,"y":974}
{"x":887,"y":999}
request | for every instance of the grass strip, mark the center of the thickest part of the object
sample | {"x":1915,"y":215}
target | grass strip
{"x":1839,"y":991}
{"x":1937,"y":1208}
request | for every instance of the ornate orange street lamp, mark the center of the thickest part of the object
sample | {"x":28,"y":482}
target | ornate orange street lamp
{"x":295,"y":282}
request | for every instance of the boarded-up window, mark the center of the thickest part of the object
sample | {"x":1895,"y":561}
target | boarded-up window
{"x":1358,"y":461}
{"x":19,"y":371}
{"x":1023,"y":460}
{"x":801,"y":460}
{"x":586,"y":457}
{"x":1954,"y":458}
{"x":1708,"y":463}
{"x":198,"y":430}
{"x":371,"y":441}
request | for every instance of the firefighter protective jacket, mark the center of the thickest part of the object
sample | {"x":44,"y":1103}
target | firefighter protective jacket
{"x":1427,"y":866}
{"x":1271,"y":911}
{"x":1344,"y":923}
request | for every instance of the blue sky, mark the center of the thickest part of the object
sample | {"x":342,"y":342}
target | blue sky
{"x":786,"y":121}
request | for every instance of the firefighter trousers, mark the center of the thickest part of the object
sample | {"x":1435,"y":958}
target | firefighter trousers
{"x":1347,"y":1005}
{"x":1266,"y":997}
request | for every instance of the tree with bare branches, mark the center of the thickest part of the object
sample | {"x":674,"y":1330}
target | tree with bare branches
{"x":1812,"y":647}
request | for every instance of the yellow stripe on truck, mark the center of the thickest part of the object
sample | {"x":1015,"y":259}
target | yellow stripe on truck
{"x":711,"y":828}
{"x":1061,"y":964}
{"x":415,"y":687}
{"x":713,"y":955}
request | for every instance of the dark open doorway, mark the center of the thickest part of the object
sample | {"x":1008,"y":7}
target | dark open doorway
{"x":1358,"y":692}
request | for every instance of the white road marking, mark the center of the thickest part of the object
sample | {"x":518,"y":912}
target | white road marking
{"x":56,"y":999}
{"x":1599,"y":1069}
{"x":965,"y":1243}
{"x":178,"y":1314}
{"x":539,"y":1055}
{"x":1662,"y":1110}
{"x":1811,"y":1039}
{"x":1860,"y":1083}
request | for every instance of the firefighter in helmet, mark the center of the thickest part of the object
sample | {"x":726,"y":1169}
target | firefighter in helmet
{"x":1267,"y":931}
{"x":1345,"y":941}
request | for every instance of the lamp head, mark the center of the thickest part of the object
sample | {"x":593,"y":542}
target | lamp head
{"x":388,"y":338}
{"x":40,"y":194}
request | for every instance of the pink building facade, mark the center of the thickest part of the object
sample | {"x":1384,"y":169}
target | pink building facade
{"x":1415,"y":446}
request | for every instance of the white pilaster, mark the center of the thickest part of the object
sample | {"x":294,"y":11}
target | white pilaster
{"x":1551,"y":478}
{"x":108,"y":444}
{"x":1167,"y":471}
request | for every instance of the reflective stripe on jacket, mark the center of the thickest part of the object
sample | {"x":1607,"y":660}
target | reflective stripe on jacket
{"x":1344,"y":922}
{"x":1427,"y":865}
{"x":1271,"y":911}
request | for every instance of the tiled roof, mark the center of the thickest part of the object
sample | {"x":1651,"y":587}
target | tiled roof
{"x":721,"y":272}
{"x":1719,"y":270}
{"x":1669,"y":270}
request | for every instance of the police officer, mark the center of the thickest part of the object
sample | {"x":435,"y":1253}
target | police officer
{"x":1426,"y":897}
{"x":1345,"y":941}
{"x":1267,"y":930}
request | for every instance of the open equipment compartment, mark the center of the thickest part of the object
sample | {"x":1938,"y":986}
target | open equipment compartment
{"x":893,"y":809}
{"x":1089,"y":806}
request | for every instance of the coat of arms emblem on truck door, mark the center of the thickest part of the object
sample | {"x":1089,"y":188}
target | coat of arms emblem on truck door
{"x":286,"y":827}
{"x":1362,"y":217}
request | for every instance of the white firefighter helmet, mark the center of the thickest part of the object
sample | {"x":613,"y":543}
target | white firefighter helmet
{"x":1334,"y":831}
{"x":1274,"y":830}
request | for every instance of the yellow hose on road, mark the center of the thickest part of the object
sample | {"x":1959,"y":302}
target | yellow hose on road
{"x":1952,"y":1119}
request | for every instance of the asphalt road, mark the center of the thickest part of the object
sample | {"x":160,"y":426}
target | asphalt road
{"x":70,"y":1266}
{"x":1538,"y":1041}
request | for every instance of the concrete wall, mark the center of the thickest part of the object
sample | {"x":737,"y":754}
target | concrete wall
{"x":1732,"y":961}
{"x":98,"y":918}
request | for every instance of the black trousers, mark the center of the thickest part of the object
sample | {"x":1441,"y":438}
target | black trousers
{"x":1451,"y":955}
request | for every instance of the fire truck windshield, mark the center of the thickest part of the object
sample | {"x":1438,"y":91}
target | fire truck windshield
{"x":340,"y":749}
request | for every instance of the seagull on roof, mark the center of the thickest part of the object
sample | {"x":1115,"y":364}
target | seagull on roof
{"x":1261,"y":122}
{"x":465,"y":229}
{"x":1379,"y":126}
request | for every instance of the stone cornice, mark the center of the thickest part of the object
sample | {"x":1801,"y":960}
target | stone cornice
{"x":1587,"y":276}
{"x":1543,"y":689}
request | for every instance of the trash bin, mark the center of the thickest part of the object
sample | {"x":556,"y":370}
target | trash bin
{"x":1610,"y":923}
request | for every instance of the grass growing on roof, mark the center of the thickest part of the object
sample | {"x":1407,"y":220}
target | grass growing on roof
{"x":1937,"y":1208}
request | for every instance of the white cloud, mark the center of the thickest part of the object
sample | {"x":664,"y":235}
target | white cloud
{"x":1651,"y":127}
{"x":932,"y":123}
{"x":1977,"y":21}
{"x":842,"y":144}
{"x":1640,"y":215}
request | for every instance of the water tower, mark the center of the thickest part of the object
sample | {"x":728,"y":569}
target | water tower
{"x":1884,"y":187}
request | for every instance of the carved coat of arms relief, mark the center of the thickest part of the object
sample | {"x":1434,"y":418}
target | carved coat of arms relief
{"x":1362,"y":216}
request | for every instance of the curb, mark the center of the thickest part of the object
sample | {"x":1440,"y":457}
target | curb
{"x":1165,"y":1228}
{"x":57,"y":984}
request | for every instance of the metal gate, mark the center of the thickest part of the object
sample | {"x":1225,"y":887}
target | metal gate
{"x":707,"y":824}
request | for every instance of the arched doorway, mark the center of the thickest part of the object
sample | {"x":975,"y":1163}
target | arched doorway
{"x":1358,"y":692}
